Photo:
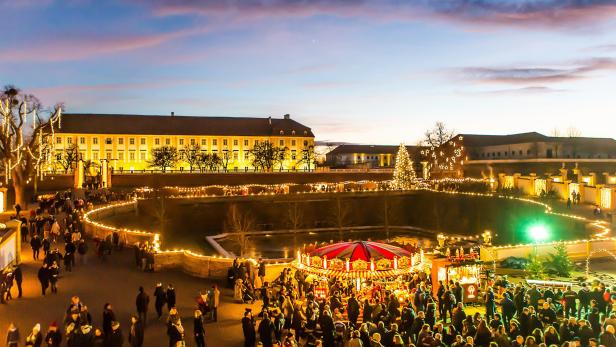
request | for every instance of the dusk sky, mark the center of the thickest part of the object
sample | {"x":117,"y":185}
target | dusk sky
{"x":366,"y":71}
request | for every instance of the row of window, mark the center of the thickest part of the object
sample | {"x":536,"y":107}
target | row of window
{"x":505,"y":153}
{"x":157,"y":141}
{"x":234,"y":155}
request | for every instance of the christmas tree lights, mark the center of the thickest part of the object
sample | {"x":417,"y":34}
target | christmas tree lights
{"x":404,"y":173}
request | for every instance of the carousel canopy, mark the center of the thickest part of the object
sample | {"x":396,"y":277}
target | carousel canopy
{"x":359,"y":259}
{"x":361,"y":250}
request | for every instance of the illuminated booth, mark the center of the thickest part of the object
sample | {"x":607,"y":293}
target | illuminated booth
{"x":10,"y":246}
{"x":467,"y":270}
{"x":361,"y":262}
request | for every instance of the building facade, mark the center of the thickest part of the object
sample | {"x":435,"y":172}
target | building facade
{"x":526,"y":149}
{"x":368,"y":156}
{"x":126,"y":142}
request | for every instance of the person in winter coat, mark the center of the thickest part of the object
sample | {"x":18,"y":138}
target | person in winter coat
{"x":12,"y":336}
{"x":53,"y":337}
{"x":353,"y":310}
{"x":135,"y":337}
{"x":54,"y":274}
{"x":198,"y":330}
{"x":43,"y":277}
{"x":36,"y":244}
{"x":175,"y":331}
{"x":108,"y":319}
{"x":18,"y":277}
{"x":248,"y":328}
{"x":115,"y":337}
{"x":170,"y":297}
{"x":266,"y":329}
{"x":35,"y":339}
{"x":83,"y":336}
{"x":160,"y":299}
{"x":142,"y":302}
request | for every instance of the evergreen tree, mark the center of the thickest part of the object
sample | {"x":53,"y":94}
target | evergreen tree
{"x":559,"y":262}
{"x":534,"y":268}
{"x":404,"y":174}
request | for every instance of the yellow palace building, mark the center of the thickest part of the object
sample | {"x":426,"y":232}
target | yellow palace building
{"x":127,"y":141}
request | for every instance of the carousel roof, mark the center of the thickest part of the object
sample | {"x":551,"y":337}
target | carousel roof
{"x":361,"y":250}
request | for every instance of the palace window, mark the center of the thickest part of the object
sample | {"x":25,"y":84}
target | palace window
{"x":142,"y":155}
{"x":256,"y":142}
{"x":95,"y":155}
{"x":120,"y":141}
{"x":192,"y":141}
{"x":181,"y":142}
{"x":305,"y":143}
{"x":95,"y":140}
{"x":69,"y":140}
{"x":82,"y":140}
{"x":120,"y":155}
{"x":143,"y":141}
{"x":224,"y":142}
{"x":293,"y":143}
{"x":235,"y":142}
{"x":108,"y":141}
{"x":167,"y":141}
{"x":214,"y":142}
{"x":236,"y":155}
{"x":281,"y":143}
{"x":58,"y":140}
{"x":246,"y":155}
{"x":131,"y":141}
{"x":293,"y":155}
{"x":131,"y":155}
{"x":245,"y":143}
{"x":156,"y":141}
{"x":108,"y":155}
{"x":203,"y":142}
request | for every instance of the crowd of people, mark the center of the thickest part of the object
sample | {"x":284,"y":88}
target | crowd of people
{"x":510,"y":315}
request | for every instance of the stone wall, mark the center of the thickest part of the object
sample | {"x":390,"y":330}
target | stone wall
{"x":578,"y":250}
{"x":184,"y":260}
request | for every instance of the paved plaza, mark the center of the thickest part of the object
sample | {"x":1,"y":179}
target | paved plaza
{"x":116,"y":281}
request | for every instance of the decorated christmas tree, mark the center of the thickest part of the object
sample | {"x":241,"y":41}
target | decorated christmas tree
{"x":404,"y":174}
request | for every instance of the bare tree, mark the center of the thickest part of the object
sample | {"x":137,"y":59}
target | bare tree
{"x":295,"y":216}
{"x":240,"y":223}
{"x":68,"y":157}
{"x":573,"y":132}
{"x":309,"y":157}
{"x":25,"y":137}
{"x":438,"y":135}
{"x":191,"y":154}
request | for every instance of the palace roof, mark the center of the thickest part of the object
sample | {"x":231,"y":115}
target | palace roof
{"x":82,"y":123}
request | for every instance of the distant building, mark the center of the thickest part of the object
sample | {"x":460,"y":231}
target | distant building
{"x":368,"y":156}
{"x":463,"y":150}
{"x":126,"y":141}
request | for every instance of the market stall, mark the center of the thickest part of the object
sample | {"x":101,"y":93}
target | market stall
{"x":467,"y":271}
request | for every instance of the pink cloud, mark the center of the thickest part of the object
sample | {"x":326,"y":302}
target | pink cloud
{"x":82,"y":47}
{"x":546,"y":13}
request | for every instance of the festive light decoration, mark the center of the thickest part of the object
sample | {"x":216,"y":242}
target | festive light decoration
{"x":404,"y":173}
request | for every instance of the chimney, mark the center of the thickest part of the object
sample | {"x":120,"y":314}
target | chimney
{"x":172,"y":113}
{"x":287,"y":116}
{"x":269,"y":120}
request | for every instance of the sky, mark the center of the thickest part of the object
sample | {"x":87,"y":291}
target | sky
{"x":363,"y":71}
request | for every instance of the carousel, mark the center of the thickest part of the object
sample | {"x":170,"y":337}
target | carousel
{"x":365,"y":263}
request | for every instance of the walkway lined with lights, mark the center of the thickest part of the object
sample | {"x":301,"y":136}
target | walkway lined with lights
{"x":116,"y":281}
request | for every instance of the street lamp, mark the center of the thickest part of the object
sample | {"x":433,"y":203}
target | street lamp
{"x":538,"y":233}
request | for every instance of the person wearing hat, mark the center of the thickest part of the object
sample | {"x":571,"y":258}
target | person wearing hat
{"x":53,"y":337}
